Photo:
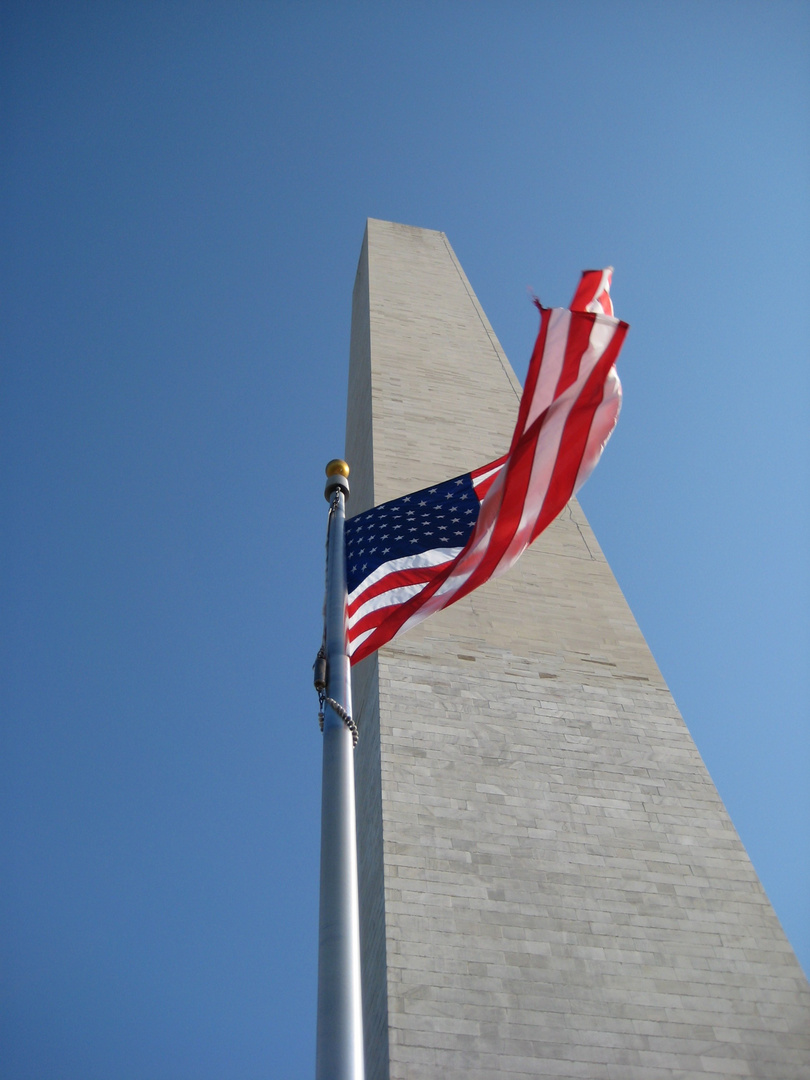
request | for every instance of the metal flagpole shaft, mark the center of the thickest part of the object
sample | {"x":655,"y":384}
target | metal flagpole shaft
{"x":339,"y":1052}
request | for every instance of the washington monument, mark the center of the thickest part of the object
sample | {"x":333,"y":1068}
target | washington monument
{"x":550,"y":884}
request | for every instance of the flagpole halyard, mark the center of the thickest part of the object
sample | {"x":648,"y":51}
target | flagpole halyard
{"x":339,"y":1047}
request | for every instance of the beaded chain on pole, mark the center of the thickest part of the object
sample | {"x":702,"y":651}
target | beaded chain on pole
{"x":321,"y":667}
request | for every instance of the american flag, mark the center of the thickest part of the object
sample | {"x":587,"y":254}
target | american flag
{"x":417,"y":554}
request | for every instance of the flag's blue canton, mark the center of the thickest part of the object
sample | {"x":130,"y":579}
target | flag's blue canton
{"x":440,"y":516}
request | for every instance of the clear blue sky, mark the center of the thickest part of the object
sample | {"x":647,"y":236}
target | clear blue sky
{"x":184,"y":192}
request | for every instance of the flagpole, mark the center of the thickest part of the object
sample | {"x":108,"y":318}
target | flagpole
{"x":339,"y":1047}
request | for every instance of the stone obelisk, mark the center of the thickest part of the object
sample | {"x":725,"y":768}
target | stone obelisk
{"x":549,"y":882}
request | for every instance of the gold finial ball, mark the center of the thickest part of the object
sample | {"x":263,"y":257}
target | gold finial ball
{"x":337,"y":467}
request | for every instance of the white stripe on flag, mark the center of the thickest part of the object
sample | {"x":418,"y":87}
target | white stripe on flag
{"x":386,"y":599}
{"x":486,"y":475}
{"x":434,"y":557}
{"x":604,"y":422}
{"x":551,"y":368}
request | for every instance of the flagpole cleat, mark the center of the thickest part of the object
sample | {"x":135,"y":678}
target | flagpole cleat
{"x":337,"y":476}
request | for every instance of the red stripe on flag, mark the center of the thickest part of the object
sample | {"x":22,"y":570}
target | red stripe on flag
{"x":575,"y":436}
{"x":586,"y":290}
{"x":533,"y":374}
{"x":579,"y":337}
{"x":519,"y":476}
{"x":594,"y":288}
{"x":520,"y":467}
{"x":395,"y":580}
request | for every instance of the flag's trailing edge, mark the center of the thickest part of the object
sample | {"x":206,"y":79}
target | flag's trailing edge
{"x":415,"y":555}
